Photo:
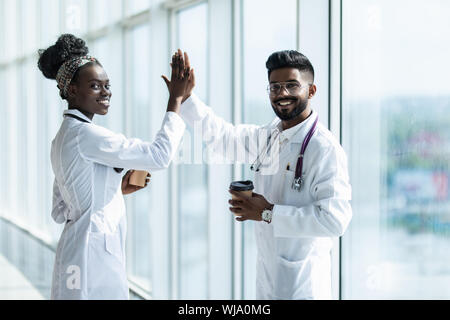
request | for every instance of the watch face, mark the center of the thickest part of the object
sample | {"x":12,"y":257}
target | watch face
{"x":266,"y":215}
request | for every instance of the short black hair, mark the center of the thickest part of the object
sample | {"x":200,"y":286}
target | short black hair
{"x":66,"y":48}
{"x":289,"y":58}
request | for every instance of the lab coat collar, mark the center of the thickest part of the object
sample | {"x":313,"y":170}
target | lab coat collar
{"x":77,"y":113}
{"x":297,"y":133}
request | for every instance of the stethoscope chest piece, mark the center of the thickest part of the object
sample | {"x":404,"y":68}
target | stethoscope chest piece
{"x":297,"y":184}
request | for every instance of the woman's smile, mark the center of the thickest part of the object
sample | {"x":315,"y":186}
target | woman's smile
{"x":104,"y":102}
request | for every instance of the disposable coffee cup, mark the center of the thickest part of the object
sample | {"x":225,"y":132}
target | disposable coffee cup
{"x":244,"y":187}
{"x":138,"y":178}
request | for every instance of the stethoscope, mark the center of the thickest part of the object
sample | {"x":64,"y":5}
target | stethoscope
{"x":298,"y":179}
{"x":258,"y":162}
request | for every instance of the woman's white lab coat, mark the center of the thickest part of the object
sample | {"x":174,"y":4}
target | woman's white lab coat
{"x":87,"y":197}
{"x":293,"y":260}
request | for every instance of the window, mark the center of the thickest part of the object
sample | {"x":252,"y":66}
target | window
{"x":104,"y":12}
{"x":183,"y":242}
{"x":49,"y":20}
{"x":20,"y":132}
{"x":75,"y":16}
{"x":262,"y":35}
{"x":138,"y":112}
{"x":192,"y":176}
{"x":28,"y":25}
{"x":48,"y":120}
{"x":12,"y":75}
{"x":395,"y":128}
{"x":135,"y":6}
{"x":3,"y":13}
{"x":3,"y":142}
{"x":30,"y":110}
{"x":11,"y":25}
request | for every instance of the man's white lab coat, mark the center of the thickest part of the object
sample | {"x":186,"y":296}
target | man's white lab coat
{"x":293,"y":260}
{"x":87,"y":197}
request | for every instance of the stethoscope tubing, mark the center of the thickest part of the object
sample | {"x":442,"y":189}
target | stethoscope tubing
{"x":299,"y":166}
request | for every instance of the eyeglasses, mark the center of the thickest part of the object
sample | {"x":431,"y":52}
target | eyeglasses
{"x":291,"y":87}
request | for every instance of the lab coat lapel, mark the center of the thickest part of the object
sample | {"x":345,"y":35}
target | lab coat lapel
{"x":78,"y":114}
{"x":300,"y":135}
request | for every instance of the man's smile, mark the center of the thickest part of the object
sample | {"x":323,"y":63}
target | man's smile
{"x":285,"y":102}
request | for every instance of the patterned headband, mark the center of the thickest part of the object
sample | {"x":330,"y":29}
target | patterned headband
{"x":67,"y":71}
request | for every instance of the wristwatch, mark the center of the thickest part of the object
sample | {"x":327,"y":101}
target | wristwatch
{"x":267,"y":214}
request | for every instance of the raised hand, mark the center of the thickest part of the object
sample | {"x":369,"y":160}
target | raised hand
{"x":191,"y":81}
{"x":178,"y":83}
{"x":180,"y":61}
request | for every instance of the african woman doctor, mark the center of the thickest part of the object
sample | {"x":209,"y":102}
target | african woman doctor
{"x":86,"y":160}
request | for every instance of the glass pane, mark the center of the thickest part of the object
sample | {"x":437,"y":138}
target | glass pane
{"x":103,"y":12}
{"x":75,"y":17}
{"x":11,"y":114}
{"x":135,"y":6}
{"x":31,"y":109}
{"x":11,"y":30}
{"x":50,"y":17}
{"x":192,"y":184}
{"x":396,"y":134}
{"x":138,"y":208}
{"x":48,"y":124}
{"x":268,"y":26}
{"x":2,"y":30}
{"x":29,"y":28}
{"x":22,"y":156}
{"x":98,"y":13}
{"x":4,"y":140}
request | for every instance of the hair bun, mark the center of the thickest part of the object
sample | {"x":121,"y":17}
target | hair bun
{"x":67,"y":47}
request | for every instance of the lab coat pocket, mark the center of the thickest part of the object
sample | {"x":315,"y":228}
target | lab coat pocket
{"x":292,"y":279}
{"x":104,"y":244}
{"x":113,"y":244}
{"x":285,"y":186}
{"x":106,"y":273}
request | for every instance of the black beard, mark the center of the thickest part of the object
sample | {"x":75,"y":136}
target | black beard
{"x":299,"y":108}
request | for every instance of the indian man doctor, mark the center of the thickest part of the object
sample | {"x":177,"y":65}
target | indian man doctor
{"x":302,"y":191}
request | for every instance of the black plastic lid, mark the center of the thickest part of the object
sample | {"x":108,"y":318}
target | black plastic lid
{"x":241,"y":185}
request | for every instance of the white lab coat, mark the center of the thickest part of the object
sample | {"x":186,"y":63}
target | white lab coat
{"x":87,"y":197}
{"x":293,"y":259}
